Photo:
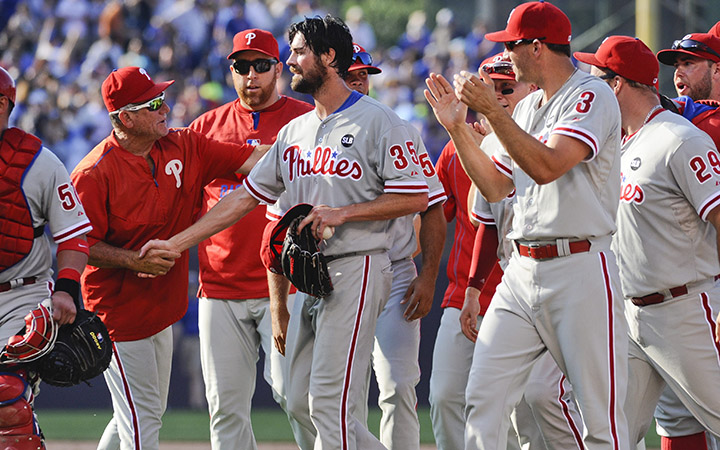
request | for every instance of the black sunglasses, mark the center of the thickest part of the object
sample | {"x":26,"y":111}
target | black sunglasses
{"x":512,"y":44}
{"x":690,"y":44}
{"x":364,"y":58}
{"x":242,"y":66}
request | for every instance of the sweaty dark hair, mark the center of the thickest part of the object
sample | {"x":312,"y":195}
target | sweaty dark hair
{"x":563,"y":49}
{"x":323,"y":34}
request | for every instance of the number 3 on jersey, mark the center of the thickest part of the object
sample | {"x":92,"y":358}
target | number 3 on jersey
{"x":401,"y":161}
{"x":585,"y":103}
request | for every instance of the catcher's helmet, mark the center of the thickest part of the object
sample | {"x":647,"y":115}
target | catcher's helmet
{"x":7,"y":85}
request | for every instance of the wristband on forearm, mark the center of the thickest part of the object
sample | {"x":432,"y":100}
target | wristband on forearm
{"x":69,"y":281}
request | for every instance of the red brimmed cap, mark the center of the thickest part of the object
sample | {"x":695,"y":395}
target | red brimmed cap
{"x":7,"y":85}
{"x":274,"y":236}
{"x":715,"y":30}
{"x":358,"y":64}
{"x":255,"y":39}
{"x":535,"y":20}
{"x":627,"y":56}
{"x":130,"y":85}
{"x":498,"y":61}
{"x":700,"y":45}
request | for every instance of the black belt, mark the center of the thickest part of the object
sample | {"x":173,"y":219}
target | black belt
{"x":4,"y":287}
{"x":547,"y":251}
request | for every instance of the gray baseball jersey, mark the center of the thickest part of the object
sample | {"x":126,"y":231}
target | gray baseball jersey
{"x":52,"y":200}
{"x":670,"y":181}
{"x":352,"y":157}
{"x":588,"y":193}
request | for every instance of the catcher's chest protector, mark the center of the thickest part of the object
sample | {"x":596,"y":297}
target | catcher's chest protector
{"x":17,"y":153}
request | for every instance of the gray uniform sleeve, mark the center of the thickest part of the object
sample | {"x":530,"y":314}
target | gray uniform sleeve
{"x":695,"y":165}
{"x":400,"y":164}
{"x":53,"y":200}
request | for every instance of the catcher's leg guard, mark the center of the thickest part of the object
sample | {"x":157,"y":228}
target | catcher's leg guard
{"x":18,"y":428}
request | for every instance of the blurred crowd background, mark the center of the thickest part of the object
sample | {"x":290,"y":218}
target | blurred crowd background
{"x":60,"y":51}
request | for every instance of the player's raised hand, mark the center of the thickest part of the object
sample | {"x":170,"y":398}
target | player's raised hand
{"x":475,"y":92}
{"x":469,"y":313}
{"x":480,"y":129}
{"x":449,"y":111}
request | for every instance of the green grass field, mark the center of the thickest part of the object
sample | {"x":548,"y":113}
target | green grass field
{"x":270,"y":425}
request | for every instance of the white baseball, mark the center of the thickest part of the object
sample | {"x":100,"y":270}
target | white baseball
{"x":328,"y":232}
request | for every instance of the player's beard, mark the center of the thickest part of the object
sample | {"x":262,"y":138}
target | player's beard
{"x":256,"y":98}
{"x":311,"y":80}
{"x":702,"y":89}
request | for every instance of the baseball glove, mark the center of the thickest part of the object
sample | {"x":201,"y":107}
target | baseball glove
{"x":82,"y":351}
{"x":302,"y":263}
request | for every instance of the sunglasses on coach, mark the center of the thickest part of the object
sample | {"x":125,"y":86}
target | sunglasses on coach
{"x":364,"y":58}
{"x":690,"y":45}
{"x":152,"y":105}
{"x":242,"y":66}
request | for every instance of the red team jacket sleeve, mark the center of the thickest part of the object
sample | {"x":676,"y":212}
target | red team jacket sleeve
{"x":484,"y":255}
{"x":456,"y":184}
{"x":441,"y":167}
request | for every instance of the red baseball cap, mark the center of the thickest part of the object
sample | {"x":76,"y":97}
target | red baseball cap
{"x":130,"y":85}
{"x":715,"y":30}
{"x":274,"y":236}
{"x":535,"y":20}
{"x":255,"y":39}
{"x":626,"y":56}
{"x":362,"y":60}
{"x":498,"y":67}
{"x":700,"y":45}
{"x":7,"y":85}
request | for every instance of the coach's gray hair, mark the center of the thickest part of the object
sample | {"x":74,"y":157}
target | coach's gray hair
{"x":115,"y":121}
